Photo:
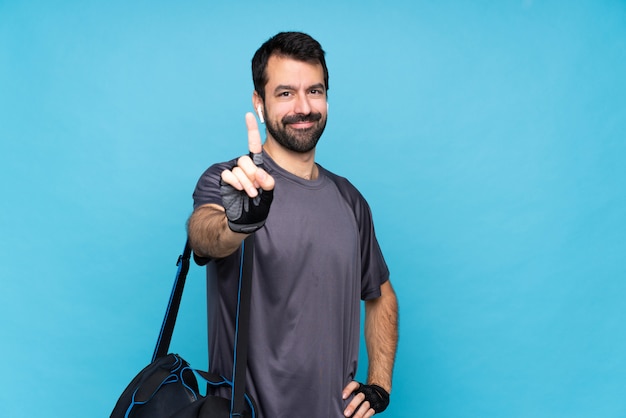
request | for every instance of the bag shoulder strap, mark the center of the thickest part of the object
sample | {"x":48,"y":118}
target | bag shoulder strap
{"x":167,"y":328}
{"x":242,"y":330}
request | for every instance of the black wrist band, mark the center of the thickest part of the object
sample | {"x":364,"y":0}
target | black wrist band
{"x":376,"y":396}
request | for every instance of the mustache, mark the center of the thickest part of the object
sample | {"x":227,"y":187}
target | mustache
{"x":311,"y":117}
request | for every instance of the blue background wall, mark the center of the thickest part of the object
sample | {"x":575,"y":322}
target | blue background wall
{"x":489,"y":138}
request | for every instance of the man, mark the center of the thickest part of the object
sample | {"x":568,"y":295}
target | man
{"x":316,"y":252}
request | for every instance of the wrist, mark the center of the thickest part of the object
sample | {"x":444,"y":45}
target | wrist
{"x":386,"y":388}
{"x":377,"y":396}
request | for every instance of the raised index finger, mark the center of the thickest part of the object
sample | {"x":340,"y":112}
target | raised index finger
{"x":254,"y":136}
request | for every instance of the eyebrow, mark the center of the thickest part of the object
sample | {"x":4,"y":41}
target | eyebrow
{"x":288,"y":87}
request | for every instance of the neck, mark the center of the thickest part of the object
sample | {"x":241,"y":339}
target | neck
{"x":299,"y":164}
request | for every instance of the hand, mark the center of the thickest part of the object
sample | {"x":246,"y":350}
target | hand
{"x":247,"y":189}
{"x":246,"y":175}
{"x":367,"y":401}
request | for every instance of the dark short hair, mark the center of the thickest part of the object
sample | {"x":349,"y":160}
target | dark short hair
{"x":295,"y":45}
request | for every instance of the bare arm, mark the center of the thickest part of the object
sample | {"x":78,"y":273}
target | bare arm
{"x":381,"y":336}
{"x":209,"y":234}
{"x":381,"y":339}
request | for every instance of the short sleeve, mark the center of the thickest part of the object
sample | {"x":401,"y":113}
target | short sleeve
{"x":208,"y":187}
{"x":374,"y":270}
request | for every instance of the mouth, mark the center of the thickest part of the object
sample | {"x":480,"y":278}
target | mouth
{"x":302,"y":121}
{"x":302,"y":125}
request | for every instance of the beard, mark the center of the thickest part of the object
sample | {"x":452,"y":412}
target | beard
{"x":297,"y":140}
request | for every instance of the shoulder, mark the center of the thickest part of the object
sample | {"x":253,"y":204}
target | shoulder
{"x":207,"y":187}
{"x":211,"y":176}
{"x":217,"y":168}
{"x":349,"y":192}
{"x":344,"y":185}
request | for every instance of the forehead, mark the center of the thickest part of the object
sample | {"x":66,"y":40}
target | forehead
{"x":288,"y":71}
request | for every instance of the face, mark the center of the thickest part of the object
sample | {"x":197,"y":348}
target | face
{"x":295,"y":103}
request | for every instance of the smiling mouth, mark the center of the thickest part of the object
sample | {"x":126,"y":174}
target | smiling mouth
{"x":302,"y":124}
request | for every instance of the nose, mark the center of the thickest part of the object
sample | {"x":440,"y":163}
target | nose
{"x":302,"y":105}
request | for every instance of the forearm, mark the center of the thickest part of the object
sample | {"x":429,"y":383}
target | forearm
{"x":209,"y":234}
{"x":381,"y":336}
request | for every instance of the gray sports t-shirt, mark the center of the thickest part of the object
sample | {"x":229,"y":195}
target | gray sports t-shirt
{"x":315,"y":259}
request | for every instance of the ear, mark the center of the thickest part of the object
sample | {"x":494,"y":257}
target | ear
{"x":257,"y":103}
